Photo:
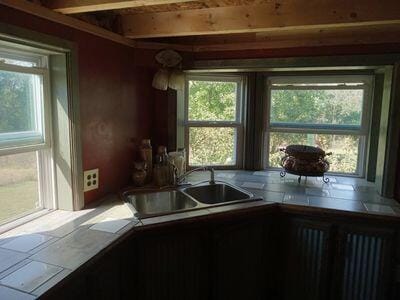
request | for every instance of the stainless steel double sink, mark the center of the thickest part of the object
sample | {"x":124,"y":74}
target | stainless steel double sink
{"x":150,"y":204}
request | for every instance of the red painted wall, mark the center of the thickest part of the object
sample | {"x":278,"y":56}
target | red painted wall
{"x":116,"y":99}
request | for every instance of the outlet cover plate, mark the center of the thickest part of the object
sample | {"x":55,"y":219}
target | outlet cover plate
{"x":90,"y":180}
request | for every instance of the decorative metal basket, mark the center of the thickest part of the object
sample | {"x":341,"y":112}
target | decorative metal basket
{"x":304,"y":160}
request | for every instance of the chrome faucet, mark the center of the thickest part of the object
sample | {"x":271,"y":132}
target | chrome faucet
{"x":180,"y":179}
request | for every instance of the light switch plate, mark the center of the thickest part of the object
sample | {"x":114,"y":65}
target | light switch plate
{"x":90,"y":180}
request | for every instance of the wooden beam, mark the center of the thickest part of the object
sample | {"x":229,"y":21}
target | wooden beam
{"x":277,"y":15}
{"x":301,"y":41}
{"x":81,"y":6}
{"x":50,"y":15}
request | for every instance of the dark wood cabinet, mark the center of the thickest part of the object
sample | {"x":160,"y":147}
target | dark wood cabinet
{"x":172,"y":265}
{"x":239,"y":260}
{"x":103,"y":278}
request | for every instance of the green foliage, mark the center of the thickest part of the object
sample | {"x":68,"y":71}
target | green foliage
{"x":15,"y":102}
{"x":211,"y":146}
{"x":212,"y":101}
{"x":341,"y":107}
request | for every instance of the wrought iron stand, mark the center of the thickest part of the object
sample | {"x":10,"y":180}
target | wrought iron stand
{"x":324,"y":179}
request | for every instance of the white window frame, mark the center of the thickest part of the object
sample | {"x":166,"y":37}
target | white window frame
{"x":31,"y":141}
{"x":237,"y":124}
{"x":364,"y":82}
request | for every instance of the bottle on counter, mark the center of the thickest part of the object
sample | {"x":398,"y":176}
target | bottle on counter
{"x":139,"y":174}
{"x":178,"y":159}
{"x":163,"y":169}
{"x":146,"y":154}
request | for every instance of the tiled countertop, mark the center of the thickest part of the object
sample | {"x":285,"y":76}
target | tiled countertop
{"x":37,"y":255}
{"x":341,"y":193}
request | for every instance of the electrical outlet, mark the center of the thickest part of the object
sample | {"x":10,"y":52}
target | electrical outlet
{"x":90,"y":180}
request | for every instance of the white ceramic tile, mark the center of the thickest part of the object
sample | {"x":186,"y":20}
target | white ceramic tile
{"x":296,"y":199}
{"x":338,"y":204}
{"x":376,"y":199}
{"x":267,"y":195}
{"x":30,"y":276}
{"x":110,"y":225}
{"x":225,"y":175}
{"x":253,"y":185}
{"x":15,"y":268}
{"x":11,"y":294}
{"x":9,"y":258}
{"x":317,"y":192}
{"x":377,"y":208}
{"x":339,"y":186}
{"x":262,"y":173}
{"x":349,"y":195}
{"x":51,"y":282}
{"x":365,"y":189}
{"x":25,"y":243}
{"x":58,"y":223}
{"x":76,"y":248}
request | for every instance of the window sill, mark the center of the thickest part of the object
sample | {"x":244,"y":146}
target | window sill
{"x":23,"y":219}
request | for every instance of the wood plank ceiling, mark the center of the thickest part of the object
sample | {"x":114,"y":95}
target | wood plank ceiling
{"x":215,"y":25}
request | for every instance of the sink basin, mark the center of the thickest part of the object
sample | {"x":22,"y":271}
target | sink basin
{"x":160,"y":203}
{"x":217,"y":193}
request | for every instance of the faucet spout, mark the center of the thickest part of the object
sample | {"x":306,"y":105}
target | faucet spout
{"x":181,"y":178}
{"x":212,"y":177}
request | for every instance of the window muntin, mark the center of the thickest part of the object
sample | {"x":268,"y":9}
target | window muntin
{"x":327,"y":111}
{"x":213,"y":118}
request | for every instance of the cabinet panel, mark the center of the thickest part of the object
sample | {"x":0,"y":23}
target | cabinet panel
{"x":366,"y":264}
{"x":172,"y":266}
{"x":307,"y":260}
{"x":104,"y":281}
{"x":239,"y":261}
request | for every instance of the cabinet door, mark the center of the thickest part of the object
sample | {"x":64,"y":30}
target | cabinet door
{"x":365,"y":264}
{"x":239,"y":259}
{"x":103,"y":278}
{"x":171,"y":266}
{"x":75,"y":288}
{"x":307,"y":253}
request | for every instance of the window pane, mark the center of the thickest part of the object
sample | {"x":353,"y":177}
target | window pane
{"x":302,"y":106}
{"x":19,"y":193}
{"x":212,"y":146}
{"x":212,"y":101}
{"x":344,"y":148}
{"x":19,"y":102}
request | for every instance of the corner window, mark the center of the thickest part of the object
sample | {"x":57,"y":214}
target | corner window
{"x":329,"y":112}
{"x":213,"y":120}
{"x":26,"y":169}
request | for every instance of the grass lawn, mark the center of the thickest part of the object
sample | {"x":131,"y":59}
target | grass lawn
{"x":18,"y":199}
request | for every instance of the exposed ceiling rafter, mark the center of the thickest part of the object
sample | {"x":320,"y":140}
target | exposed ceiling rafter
{"x":273,"y":16}
{"x":82,"y":6}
